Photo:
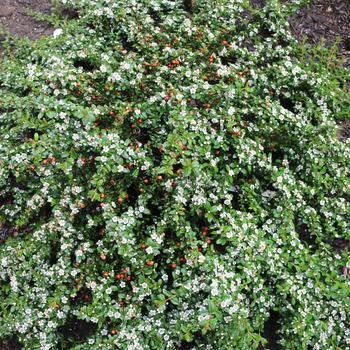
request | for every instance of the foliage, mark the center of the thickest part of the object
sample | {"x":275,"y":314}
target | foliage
{"x":172,"y":177}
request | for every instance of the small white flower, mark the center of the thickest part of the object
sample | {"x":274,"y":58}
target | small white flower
{"x":115,"y":77}
{"x":57,"y":32}
{"x":79,"y":253}
{"x":201,"y":258}
{"x":149,"y":250}
{"x":231,"y":111}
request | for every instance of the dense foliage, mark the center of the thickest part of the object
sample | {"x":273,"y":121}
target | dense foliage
{"x":170,"y":178}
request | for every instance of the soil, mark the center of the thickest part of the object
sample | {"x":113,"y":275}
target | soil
{"x":10,"y":344}
{"x":344,"y":131}
{"x":14,"y":17}
{"x":328,"y":19}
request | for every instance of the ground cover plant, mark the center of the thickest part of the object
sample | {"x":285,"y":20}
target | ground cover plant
{"x":171,"y":178}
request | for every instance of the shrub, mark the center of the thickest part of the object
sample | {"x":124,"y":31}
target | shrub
{"x":171,"y":179}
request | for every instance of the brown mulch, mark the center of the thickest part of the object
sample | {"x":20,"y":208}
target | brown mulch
{"x":14,"y":18}
{"x":328,"y":19}
{"x":344,"y":132}
{"x":10,"y":344}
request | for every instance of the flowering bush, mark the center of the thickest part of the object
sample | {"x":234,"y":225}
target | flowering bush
{"x":171,"y":179}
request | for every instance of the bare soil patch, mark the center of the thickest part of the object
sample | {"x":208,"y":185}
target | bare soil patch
{"x":344,"y":132}
{"x":326,"y":19}
{"x":14,"y":17}
{"x":10,"y":344}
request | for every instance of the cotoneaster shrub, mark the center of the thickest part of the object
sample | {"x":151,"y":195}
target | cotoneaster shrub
{"x":171,"y":178}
